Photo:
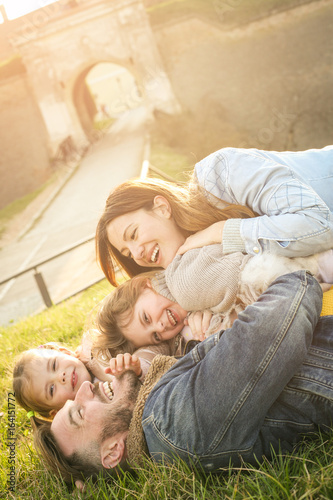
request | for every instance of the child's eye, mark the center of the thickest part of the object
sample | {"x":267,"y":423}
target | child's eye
{"x":80,"y":413}
{"x":54,"y":365}
{"x":145,"y":317}
{"x":156,"y":337}
{"x":51,"y":390}
{"x":133,"y":234}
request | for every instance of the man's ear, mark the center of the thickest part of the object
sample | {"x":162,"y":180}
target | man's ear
{"x":113,"y":451}
{"x":162,"y":207}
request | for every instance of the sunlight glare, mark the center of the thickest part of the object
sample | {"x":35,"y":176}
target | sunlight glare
{"x":17,"y":8}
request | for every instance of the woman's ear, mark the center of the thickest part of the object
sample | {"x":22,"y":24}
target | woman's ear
{"x":162,"y":207}
{"x":52,"y":413}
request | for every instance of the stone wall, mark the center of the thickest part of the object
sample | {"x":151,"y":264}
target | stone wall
{"x":24,"y":159}
{"x":266,"y":85}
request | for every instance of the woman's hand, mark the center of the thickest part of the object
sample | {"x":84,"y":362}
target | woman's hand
{"x":209,"y":236}
{"x":199,"y":323}
{"x":124,"y":362}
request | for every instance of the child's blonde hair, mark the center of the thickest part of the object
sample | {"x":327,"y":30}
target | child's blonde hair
{"x":22,"y":374}
{"x":115,"y":314}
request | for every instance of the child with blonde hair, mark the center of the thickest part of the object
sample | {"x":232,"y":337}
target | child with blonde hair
{"x":153,"y":308}
{"x":44,"y":378}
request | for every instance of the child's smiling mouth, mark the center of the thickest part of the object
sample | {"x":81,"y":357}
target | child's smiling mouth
{"x":173,"y":320}
{"x":74,"y":379}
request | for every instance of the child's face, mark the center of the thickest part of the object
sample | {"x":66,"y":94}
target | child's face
{"x":56,"y":377}
{"x":154,"y":320}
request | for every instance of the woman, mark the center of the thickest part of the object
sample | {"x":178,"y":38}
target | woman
{"x":247,"y":200}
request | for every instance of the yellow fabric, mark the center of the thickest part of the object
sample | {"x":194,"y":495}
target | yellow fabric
{"x":327,"y":309}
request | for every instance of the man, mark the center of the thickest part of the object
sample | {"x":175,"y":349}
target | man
{"x":258,"y":386}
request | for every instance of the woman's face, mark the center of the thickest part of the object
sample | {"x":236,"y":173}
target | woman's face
{"x":155,"y":319}
{"x":150,"y":238}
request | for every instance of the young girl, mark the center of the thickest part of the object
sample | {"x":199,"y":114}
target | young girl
{"x":136,"y":316}
{"x":46,"y":377}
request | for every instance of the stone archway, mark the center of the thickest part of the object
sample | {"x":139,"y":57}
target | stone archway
{"x":59,"y":45}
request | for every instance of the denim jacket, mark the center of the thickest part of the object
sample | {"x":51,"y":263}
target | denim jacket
{"x":254,"y":388}
{"x":292,"y":192}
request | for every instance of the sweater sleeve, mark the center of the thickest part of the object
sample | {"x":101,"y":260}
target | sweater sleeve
{"x":202,"y":278}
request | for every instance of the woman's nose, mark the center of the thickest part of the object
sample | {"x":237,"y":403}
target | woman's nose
{"x":62,"y":377}
{"x":137,"y":251}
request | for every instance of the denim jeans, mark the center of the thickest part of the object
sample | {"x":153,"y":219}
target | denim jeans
{"x":257,"y":386}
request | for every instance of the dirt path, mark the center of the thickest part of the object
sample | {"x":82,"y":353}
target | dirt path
{"x":22,"y":222}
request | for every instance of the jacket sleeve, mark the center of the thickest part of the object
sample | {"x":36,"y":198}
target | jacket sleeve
{"x":246,"y":369}
{"x":293,"y":220}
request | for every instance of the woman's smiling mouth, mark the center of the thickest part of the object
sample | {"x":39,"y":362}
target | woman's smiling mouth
{"x":155,"y":254}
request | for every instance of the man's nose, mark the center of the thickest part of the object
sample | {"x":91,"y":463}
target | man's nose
{"x":84,"y":391}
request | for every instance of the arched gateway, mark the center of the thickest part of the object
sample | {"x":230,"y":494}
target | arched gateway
{"x":61,"y":42}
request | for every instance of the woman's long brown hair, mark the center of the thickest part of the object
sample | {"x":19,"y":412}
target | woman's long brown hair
{"x":190,"y":209}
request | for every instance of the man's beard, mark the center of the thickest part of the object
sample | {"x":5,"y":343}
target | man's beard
{"x":118,"y":417}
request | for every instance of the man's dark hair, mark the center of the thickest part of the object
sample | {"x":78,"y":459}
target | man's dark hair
{"x":76,"y":466}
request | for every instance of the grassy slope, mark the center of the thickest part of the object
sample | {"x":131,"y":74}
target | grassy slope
{"x":308,"y":474}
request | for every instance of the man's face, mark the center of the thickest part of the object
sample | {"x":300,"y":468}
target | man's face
{"x":97,"y":412}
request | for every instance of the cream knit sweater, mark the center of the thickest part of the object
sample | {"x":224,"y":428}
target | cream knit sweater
{"x":205,"y":278}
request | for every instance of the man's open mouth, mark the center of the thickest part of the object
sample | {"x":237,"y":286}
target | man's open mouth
{"x":171,"y":317}
{"x":155,"y":254}
{"x":108,"y":390}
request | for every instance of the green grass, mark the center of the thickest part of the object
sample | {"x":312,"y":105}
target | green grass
{"x":308,"y":474}
{"x":17,"y":206}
